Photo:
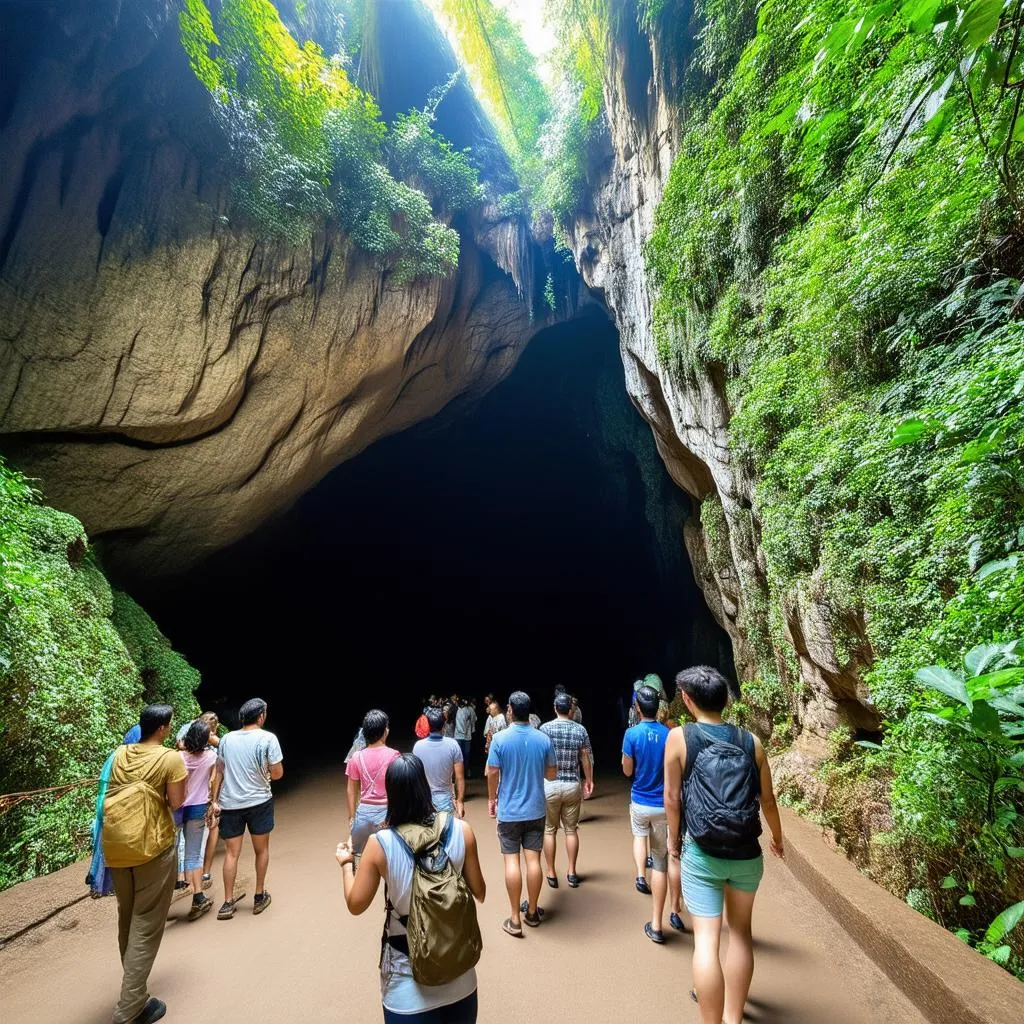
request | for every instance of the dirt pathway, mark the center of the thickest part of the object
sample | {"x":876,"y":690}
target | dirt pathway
{"x":307,"y":959}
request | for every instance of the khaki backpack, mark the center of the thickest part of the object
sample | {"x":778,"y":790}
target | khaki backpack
{"x":443,"y":934}
{"x":134,"y":826}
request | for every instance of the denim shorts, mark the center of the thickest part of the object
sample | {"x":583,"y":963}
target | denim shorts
{"x":443,"y":800}
{"x":705,"y":878}
{"x":369,"y":818}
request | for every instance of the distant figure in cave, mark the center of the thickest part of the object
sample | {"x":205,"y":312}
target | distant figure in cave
{"x":465,"y":725}
{"x":722,"y":774}
{"x":494,"y":724}
{"x":365,"y":770}
{"x":519,"y":760}
{"x":248,"y":759}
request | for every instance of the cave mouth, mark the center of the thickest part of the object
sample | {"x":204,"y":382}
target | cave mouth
{"x":531,"y":538}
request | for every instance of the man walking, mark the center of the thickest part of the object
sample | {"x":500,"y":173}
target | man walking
{"x":147,"y":783}
{"x":247,"y":760}
{"x":564,"y":795}
{"x":442,"y":757}
{"x":495,"y":723}
{"x":643,"y":758}
{"x":465,"y":724}
{"x":519,"y":760}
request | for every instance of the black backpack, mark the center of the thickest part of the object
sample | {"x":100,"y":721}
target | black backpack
{"x":721,"y":790}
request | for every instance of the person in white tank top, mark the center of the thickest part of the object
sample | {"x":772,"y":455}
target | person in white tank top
{"x":409,"y":800}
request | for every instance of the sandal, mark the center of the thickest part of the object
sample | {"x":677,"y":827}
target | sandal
{"x":653,"y":934}
{"x":642,"y":886}
{"x":553,"y":881}
{"x":510,"y":929}
{"x":573,"y":880}
{"x":676,"y":921}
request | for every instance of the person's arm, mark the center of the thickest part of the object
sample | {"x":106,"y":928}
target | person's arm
{"x":216,"y":781}
{"x":627,"y":765}
{"x":275,"y":760}
{"x":587,"y":763}
{"x":769,"y":807}
{"x":361,"y":886}
{"x":675,"y":763}
{"x":471,"y":867}
{"x":460,"y":789}
{"x":551,"y":764}
{"x":175,"y":791}
{"x":493,"y":773}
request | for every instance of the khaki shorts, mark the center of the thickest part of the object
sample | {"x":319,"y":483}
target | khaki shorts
{"x":652,"y":822}
{"x":564,"y":801}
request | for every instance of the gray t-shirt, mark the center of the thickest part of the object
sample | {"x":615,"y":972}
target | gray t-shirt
{"x":246,"y":756}
{"x":439,"y":755}
{"x":465,"y":721}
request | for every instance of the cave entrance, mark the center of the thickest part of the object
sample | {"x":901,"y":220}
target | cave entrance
{"x":531,"y":539}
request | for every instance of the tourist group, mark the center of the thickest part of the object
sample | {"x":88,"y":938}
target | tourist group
{"x":698,"y":793}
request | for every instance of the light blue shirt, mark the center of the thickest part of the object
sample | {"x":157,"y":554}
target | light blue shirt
{"x":521,"y":753}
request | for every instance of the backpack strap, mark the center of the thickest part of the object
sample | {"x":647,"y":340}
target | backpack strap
{"x":742,"y":740}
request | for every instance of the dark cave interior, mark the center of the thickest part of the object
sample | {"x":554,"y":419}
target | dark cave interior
{"x":529,"y":539}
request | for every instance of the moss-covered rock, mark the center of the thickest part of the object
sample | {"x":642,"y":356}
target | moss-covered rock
{"x":77,"y":661}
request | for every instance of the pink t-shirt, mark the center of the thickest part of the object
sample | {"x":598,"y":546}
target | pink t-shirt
{"x":197,"y":786}
{"x":370,"y":766}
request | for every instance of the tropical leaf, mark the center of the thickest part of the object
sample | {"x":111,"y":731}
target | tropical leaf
{"x":935,"y":677}
{"x":1005,"y":923}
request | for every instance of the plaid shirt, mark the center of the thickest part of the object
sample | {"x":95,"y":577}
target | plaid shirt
{"x":570,"y":740}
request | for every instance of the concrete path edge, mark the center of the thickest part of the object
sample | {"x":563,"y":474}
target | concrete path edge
{"x":947,"y":980}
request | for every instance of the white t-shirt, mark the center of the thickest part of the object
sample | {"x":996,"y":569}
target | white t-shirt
{"x":246,"y":756}
{"x":399,"y":991}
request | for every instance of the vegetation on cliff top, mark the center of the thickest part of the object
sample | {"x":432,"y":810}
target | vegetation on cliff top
{"x":77,"y":662}
{"x":311,"y":145}
{"x":840,"y":236}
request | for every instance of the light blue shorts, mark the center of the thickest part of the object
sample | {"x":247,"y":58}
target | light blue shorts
{"x":705,"y":878}
{"x":443,"y":801}
{"x":369,"y":818}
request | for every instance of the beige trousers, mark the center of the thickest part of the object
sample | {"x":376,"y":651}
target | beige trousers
{"x":143,"y":898}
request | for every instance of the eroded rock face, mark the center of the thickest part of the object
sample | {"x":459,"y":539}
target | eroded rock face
{"x":173,"y":379}
{"x":690,"y":418}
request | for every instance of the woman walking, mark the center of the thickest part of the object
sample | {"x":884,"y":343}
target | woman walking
{"x":387,"y":856}
{"x":200,"y":759}
{"x":367,"y":800}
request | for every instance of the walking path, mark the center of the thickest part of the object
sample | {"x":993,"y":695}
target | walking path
{"x":307,"y":959}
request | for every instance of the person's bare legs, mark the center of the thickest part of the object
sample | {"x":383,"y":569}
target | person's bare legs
{"x":640,"y":856}
{"x":739,"y":958}
{"x":513,"y":885}
{"x":232,"y":849}
{"x":659,"y":883}
{"x":211,"y":848}
{"x":572,"y":849}
{"x":551,"y":852}
{"x":195,"y":880}
{"x":261,"y":847}
{"x":534,"y":879}
{"x":708,"y":979}
{"x":675,"y":887}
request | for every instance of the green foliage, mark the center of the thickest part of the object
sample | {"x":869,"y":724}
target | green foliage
{"x":549,"y":293}
{"x":854,"y":275}
{"x":69,"y":687}
{"x":503,"y":71}
{"x":309,"y":144}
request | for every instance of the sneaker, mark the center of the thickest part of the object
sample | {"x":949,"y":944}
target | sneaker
{"x":226,"y":912}
{"x":260,"y":902}
{"x":676,"y":921}
{"x":653,"y":934}
{"x":642,"y":886}
{"x":199,"y":907}
{"x":650,"y":863}
{"x":207,"y":882}
{"x":153,"y":1010}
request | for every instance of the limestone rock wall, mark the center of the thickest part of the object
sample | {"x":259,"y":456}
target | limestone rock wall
{"x":172,"y":378}
{"x":690,"y":419}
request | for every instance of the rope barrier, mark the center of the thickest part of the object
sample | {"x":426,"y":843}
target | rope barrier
{"x":9,"y":800}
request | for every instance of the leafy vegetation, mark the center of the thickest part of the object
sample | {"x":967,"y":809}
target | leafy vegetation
{"x":840,"y":238}
{"x":310,"y":144}
{"x":77,"y":661}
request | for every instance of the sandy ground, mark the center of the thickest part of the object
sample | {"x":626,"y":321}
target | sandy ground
{"x":307,"y":959}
